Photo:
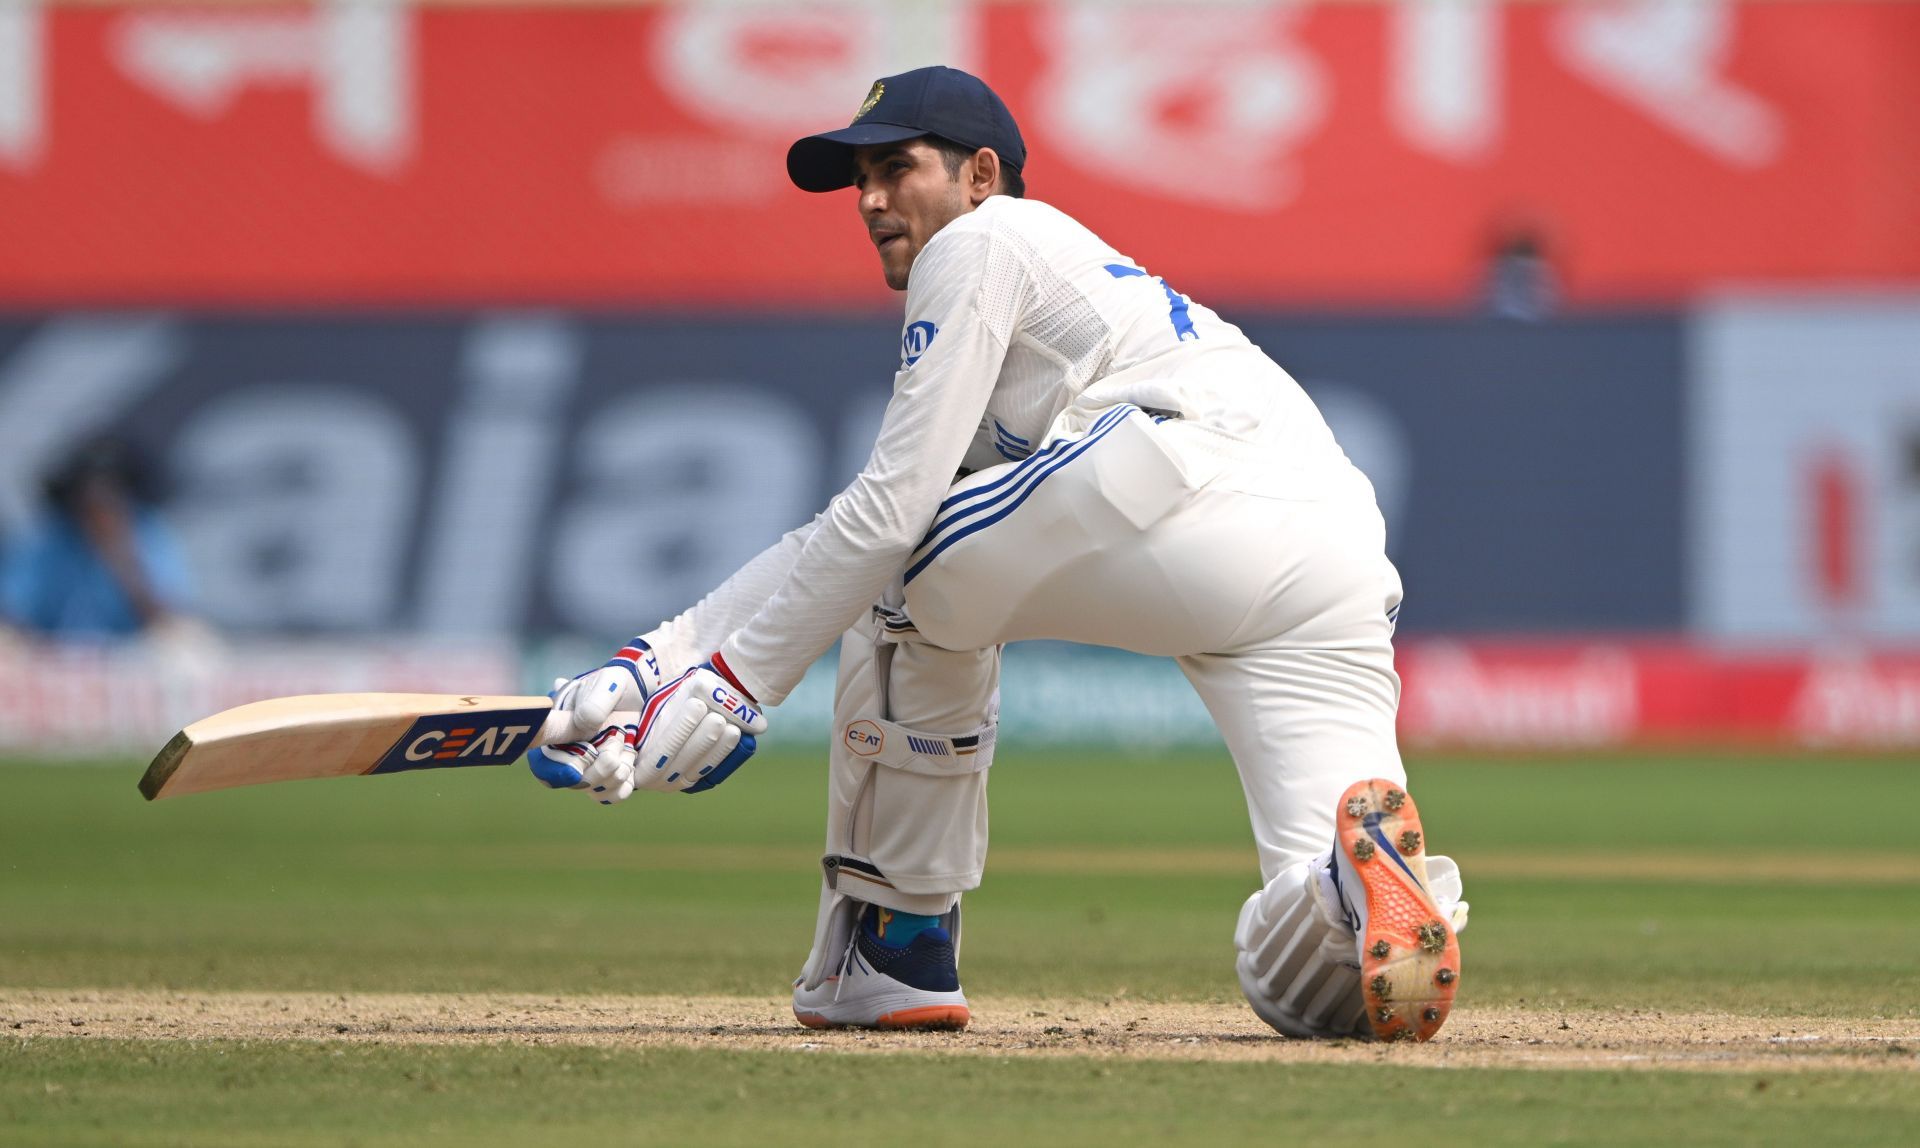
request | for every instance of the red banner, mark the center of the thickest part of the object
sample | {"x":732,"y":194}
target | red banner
{"x":1294,"y":153}
{"x":1608,"y":695}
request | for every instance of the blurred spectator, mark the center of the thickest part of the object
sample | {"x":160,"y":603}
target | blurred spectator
{"x":1521,"y":283}
{"x":99,"y":562}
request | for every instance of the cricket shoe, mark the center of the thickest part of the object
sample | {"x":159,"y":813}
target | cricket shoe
{"x":1409,"y":954}
{"x":916,"y":987}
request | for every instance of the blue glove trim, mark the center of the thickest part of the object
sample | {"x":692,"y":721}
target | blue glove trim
{"x":553,"y":772}
{"x":727,"y":765}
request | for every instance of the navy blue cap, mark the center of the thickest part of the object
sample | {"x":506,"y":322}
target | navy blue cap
{"x":944,"y":102}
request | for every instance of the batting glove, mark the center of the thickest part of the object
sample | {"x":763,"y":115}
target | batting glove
{"x":688,"y":734}
{"x":695,"y":732}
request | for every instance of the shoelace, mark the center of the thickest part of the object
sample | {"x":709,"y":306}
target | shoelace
{"x":846,"y":963}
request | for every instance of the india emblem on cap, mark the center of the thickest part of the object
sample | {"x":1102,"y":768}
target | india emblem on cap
{"x":873,"y":97}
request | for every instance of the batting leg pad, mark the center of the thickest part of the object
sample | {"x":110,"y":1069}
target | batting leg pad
{"x":914,"y":732}
{"x":1297,"y":959}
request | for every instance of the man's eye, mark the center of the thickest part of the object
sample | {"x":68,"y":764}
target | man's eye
{"x":898,"y":165}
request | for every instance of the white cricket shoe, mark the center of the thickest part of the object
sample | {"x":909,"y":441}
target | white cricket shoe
{"x":917,"y":987}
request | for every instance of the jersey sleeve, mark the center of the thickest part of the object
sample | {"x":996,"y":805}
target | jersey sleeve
{"x":692,"y":637}
{"x":950,"y":359}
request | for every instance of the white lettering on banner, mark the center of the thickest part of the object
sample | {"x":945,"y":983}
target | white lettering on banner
{"x":636,"y":171}
{"x":86,"y":701}
{"x":1454,"y":697}
{"x":1852,"y":702}
{"x":295,"y":506}
{"x":355,"y":55}
{"x":1804,"y":500}
{"x":422,"y":747}
{"x":72,"y":378}
{"x":1149,"y":95}
{"x":677,"y":488}
{"x":1444,"y":72}
{"x":1665,"y":57}
{"x":503,"y":451}
{"x":364,"y":72}
{"x":22,"y":84}
{"x":778,"y":70}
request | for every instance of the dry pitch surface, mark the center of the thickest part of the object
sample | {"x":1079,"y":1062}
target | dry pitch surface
{"x":1121,"y":1028}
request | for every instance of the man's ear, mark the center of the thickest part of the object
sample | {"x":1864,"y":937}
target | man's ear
{"x":983,"y":175}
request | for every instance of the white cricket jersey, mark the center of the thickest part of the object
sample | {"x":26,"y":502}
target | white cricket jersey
{"x":1021,"y":327}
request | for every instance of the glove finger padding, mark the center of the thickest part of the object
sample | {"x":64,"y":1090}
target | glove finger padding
{"x":585,"y":705}
{"x":612,"y":760}
{"x":691,"y":731}
{"x":668,"y":751}
{"x":740,"y":753}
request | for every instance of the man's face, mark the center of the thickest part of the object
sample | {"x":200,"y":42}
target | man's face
{"x":906,"y":196}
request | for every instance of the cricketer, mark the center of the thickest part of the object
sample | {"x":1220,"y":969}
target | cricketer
{"x":1132,"y":472}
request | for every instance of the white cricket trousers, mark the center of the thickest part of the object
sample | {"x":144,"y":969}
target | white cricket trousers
{"x":1272,"y":592}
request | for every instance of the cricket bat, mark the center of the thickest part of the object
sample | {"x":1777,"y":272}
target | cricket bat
{"x":341,"y":735}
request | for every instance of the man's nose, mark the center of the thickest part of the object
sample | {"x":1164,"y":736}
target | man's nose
{"x":873,"y":200}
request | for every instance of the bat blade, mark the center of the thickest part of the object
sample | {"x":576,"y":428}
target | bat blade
{"x":342,"y":735}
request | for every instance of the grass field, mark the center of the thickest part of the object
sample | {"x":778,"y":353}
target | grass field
{"x":1732,"y":946}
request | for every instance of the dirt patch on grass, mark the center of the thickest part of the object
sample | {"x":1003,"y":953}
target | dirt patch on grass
{"x":1496,"y":1038}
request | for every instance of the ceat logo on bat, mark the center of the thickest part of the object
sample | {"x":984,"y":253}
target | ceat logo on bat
{"x":443,"y":740}
{"x":865,"y":738}
{"x":913,"y":344}
{"x":438,"y":745}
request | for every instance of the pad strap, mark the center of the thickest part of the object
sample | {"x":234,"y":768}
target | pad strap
{"x":911,"y":751}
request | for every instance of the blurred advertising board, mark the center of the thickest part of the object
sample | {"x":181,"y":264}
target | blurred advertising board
{"x":1566,"y":696}
{"x":356,"y":152}
{"x":438,"y":475}
{"x":97,"y":701}
{"x":1805,"y":456}
{"x":1580,"y":695}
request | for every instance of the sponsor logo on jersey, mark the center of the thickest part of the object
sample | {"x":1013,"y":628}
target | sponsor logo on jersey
{"x":913,"y":344}
{"x":865,"y":738}
{"x":873,"y":97}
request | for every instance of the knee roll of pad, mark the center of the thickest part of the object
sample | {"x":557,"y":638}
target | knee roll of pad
{"x":911,"y":751}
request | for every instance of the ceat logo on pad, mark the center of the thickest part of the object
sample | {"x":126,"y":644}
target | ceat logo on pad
{"x":864,"y":738}
{"x":913,"y":344}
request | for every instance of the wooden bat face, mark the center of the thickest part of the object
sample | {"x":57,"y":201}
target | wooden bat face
{"x":338,"y":735}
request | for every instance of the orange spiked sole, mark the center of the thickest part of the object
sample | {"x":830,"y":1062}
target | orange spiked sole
{"x":1409,"y":959}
